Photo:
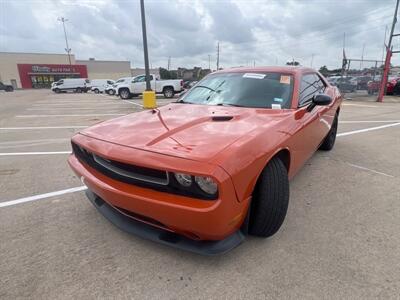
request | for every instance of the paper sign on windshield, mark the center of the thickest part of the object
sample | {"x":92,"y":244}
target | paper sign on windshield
{"x":285,"y":79}
{"x":254,"y":75}
{"x":276,"y":106}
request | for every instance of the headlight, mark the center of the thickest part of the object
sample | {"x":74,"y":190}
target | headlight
{"x":183,"y":179}
{"x":207,"y":184}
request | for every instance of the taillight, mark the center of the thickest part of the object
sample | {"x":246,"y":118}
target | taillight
{"x":181,"y":83}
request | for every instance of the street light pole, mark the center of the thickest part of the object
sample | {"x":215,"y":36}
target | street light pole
{"x":145,"y":49}
{"x":68,"y":49}
{"x":149,"y":96}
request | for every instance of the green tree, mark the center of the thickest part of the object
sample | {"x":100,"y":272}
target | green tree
{"x":165,"y":74}
{"x":324,"y":71}
{"x":292,"y":63}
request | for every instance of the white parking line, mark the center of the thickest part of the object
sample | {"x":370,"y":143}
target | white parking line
{"x":34,"y":153}
{"x":370,"y":121}
{"x":42,"y":196}
{"x":76,"y":108}
{"x":367,"y":129}
{"x":42,"y":127}
{"x":360,"y":105}
{"x":77,"y":115}
{"x":81,"y":188}
{"x":127,"y":101}
{"x":369,"y":170}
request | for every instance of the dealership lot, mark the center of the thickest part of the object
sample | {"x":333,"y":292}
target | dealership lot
{"x":340,"y":239}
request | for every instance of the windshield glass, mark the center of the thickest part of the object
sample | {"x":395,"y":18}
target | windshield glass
{"x":261,"y":90}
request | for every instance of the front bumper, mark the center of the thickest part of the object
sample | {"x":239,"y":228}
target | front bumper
{"x":206,"y":220}
{"x":158,"y":235}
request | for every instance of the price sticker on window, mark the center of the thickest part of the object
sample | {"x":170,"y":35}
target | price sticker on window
{"x":285,"y":79}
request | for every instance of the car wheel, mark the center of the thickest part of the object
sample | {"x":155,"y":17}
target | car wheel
{"x":125,"y":94}
{"x":330,"y":139}
{"x":96,"y":91}
{"x":78,"y":90}
{"x":111,"y":92}
{"x":270,"y":200}
{"x":57,"y":91}
{"x":168,"y":92}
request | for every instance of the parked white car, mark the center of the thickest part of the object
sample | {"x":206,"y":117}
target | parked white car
{"x":99,"y":85}
{"x":77,"y":85}
{"x":112,"y":90}
{"x":138,"y":85}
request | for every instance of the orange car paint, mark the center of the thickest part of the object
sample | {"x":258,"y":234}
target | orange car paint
{"x":183,"y":138}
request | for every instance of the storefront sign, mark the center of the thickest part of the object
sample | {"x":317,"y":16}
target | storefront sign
{"x":42,"y":75}
{"x":44,"y":69}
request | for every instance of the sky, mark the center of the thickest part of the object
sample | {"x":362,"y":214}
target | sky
{"x":251,"y":32}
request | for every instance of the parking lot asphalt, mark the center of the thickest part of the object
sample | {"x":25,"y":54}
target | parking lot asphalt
{"x":340,"y":239}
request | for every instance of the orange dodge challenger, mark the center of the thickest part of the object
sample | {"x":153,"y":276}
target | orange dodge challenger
{"x":203,"y":172}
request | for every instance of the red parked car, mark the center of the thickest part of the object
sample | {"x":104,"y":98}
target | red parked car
{"x":201,"y":173}
{"x":373,"y":87}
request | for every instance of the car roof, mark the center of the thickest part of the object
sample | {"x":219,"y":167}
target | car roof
{"x":274,"y":69}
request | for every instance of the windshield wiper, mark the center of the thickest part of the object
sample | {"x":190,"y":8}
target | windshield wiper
{"x":229,"y":104}
{"x":183,"y":101}
{"x":204,"y":87}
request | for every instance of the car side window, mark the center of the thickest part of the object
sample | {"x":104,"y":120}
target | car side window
{"x":320,"y":84}
{"x":139,"y":79}
{"x":308,"y":88}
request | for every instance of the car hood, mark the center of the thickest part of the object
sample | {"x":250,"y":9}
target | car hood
{"x":197,"y":132}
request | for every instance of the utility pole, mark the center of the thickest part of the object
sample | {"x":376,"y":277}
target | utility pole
{"x":362,"y":57}
{"x":382,"y":90}
{"x":254,"y":63}
{"x":312,"y":59}
{"x":209,"y":61}
{"x":67,"y":49}
{"x":218,"y":56}
{"x":384,"y":43}
{"x":149,"y":96}
{"x":169,"y":62}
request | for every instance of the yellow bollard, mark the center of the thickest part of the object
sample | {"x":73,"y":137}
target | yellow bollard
{"x":149,"y":99}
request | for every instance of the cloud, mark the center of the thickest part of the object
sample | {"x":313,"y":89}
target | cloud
{"x":264,"y":32}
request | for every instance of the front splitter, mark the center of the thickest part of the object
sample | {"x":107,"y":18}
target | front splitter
{"x":158,"y":235}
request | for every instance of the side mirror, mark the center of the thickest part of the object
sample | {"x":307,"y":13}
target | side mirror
{"x":319,"y":99}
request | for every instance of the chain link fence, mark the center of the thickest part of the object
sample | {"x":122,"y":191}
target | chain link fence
{"x":359,"y":79}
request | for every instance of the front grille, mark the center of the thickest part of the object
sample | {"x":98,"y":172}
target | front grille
{"x":121,"y":171}
{"x":136,"y":175}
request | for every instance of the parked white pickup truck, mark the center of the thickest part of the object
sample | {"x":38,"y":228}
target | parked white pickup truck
{"x":137,"y":86}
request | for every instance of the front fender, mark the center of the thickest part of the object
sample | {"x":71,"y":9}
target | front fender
{"x":245,"y":160}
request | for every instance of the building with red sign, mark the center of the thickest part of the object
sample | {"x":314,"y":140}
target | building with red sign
{"x":39,"y":70}
{"x":41,"y":76}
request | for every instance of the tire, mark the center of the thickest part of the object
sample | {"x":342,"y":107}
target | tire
{"x":168,"y":92}
{"x":9,"y":89}
{"x":57,"y":91}
{"x":270,"y":200}
{"x":78,"y":90}
{"x":330,"y":139}
{"x":111,"y":92}
{"x":96,"y":91}
{"x":125,"y":94}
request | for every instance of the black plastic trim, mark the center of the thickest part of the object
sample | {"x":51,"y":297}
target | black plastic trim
{"x":164,"y":237}
{"x":173,"y":186}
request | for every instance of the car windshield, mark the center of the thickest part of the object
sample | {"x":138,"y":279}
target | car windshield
{"x":259,"y":90}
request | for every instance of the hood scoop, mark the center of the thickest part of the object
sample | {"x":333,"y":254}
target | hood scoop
{"x":221,"y":118}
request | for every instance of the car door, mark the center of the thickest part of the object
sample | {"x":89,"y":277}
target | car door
{"x":139,"y":84}
{"x":312,"y":130}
